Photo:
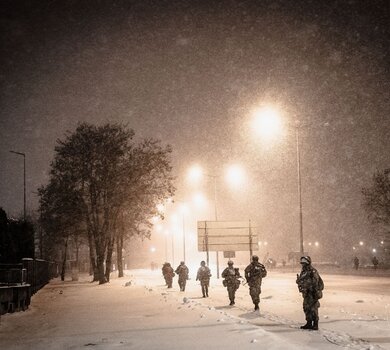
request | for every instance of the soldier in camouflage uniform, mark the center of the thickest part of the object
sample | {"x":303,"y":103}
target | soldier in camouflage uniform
{"x":182,"y":272}
{"x":203,"y":276}
{"x":310,"y":284}
{"x":168,"y":274}
{"x":231,"y":280}
{"x":254,"y":273}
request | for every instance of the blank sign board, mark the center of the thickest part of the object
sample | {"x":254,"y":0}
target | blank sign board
{"x":227,"y":236}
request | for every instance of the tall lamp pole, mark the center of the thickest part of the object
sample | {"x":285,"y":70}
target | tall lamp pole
{"x":299,"y":189}
{"x":216,"y":218}
{"x":24,"y":181}
{"x":173,"y":251}
{"x":214,"y":177}
{"x":184,"y":239}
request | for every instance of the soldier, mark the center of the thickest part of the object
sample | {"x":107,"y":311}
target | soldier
{"x":182,"y":272}
{"x":356,"y":262}
{"x":254,"y":273}
{"x":310,"y":284}
{"x":203,"y":276}
{"x":375,"y":262}
{"x":231,"y":280}
{"x":168,"y":274}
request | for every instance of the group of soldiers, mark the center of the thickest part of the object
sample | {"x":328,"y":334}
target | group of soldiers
{"x":182,"y":271}
{"x":169,"y":273}
{"x":309,"y":283}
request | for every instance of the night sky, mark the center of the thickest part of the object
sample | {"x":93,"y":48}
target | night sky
{"x":190,"y":73}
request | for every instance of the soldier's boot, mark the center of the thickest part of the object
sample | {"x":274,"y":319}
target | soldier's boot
{"x":256,"y":306}
{"x":315,"y":325}
{"x":308,"y":325}
{"x":231,"y":302}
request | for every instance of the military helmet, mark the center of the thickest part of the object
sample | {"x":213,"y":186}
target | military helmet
{"x":305,"y":260}
{"x":230,"y":263}
{"x":255,"y":258}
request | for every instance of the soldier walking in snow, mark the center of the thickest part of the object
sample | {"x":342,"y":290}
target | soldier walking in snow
{"x":231,"y":280}
{"x":375,"y":262}
{"x":203,"y":276}
{"x":254,"y":273}
{"x":310,"y":284}
{"x":168,"y":274}
{"x":356,"y":262}
{"x":182,"y":272}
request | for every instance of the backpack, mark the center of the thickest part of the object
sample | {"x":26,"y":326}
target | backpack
{"x":320,"y":287}
{"x":258,"y":270}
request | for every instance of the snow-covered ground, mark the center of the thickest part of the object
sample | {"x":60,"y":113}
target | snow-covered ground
{"x":354,"y":314}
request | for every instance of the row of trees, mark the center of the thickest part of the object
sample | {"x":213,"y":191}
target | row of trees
{"x":103,"y":190}
{"x":376,"y":202}
{"x":16,"y":239}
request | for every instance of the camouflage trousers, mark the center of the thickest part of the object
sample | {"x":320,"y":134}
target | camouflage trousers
{"x":254,"y":292}
{"x":182,"y":283}
{"x":205,"y":287}
{"x":231,"y":291}
{"x":169,"y":280}
{"x":310,"y":307}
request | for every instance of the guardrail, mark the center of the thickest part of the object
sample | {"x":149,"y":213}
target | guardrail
{"x":18,"y":282}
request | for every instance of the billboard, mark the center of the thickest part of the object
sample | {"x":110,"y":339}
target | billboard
{"x":227,"y":236}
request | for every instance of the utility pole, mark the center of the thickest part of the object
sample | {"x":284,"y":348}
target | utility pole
{"x":24,"y":181}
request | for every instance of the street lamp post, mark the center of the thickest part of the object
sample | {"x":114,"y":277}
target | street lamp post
{"x":24,"y":181}
{"x":173,"y":250}
{"x":267,"y":123}
{"x":183,"y":210}
{"x":299,"y":189}
{"x":214,"y":177}
{"x":216,"y":217}
{"x":166,"y":247}
{"x":184,"y":239}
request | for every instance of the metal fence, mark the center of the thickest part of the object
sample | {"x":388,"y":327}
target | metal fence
{"x":18,"y":282}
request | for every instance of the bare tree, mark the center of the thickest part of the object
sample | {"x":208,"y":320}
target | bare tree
{"x":376,"y":201}
{"x":109,"y":176}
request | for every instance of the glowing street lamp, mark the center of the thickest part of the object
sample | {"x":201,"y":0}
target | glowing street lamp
{"x":235,"y":175}
{"x":195,"y":173}
{"x":266,"y":122}
{"x":199,"y":200}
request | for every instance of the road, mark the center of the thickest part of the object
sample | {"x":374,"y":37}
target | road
{"x":354,"y":314}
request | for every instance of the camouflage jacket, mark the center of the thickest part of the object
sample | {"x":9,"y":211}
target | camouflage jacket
{"x":168,"y":271}
{"x":231,"y":275}
{"x":203,"y":274}
{"x":255,"y":272}
{"x":182,"y":271}
{"x":310,"y":282}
